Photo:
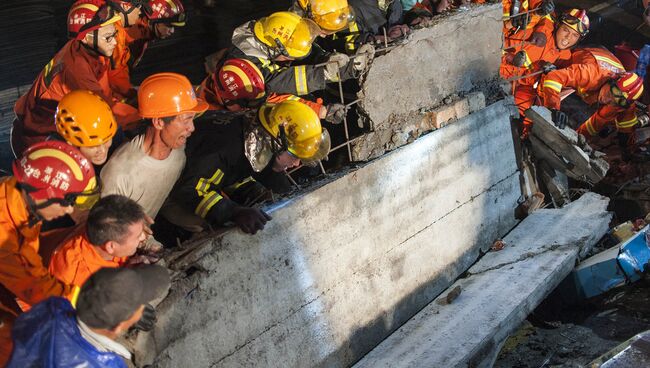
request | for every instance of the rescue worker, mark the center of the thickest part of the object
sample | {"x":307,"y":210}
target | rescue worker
{"x":146,"y":168}
{"x":113,"y":300}
{"x":82,"y":63}
{"x":218,"y":183}
{"x":85,"y":121}
{"x":114,"y":230}
{"x":48,"y":180}
{"x":553,"y":45}
{"x":273,"y":42}
{"x":521,"y":18}
{"x":239,"y":85}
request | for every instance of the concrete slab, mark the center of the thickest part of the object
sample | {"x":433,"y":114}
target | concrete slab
{"x":499,"y":291}
{"x":440,"y":61}
{"x":341,"y":267}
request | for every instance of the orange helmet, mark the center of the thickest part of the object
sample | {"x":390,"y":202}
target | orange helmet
{"x":239,"y":79}
{"x":577,"y":20}
{"x":83,"y":119}
{"x":86,"y":16}
{"x":168,"y":94}
{"x":630,"y":87}
{"x":57,"y":172}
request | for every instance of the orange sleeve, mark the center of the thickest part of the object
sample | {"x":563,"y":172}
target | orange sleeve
{"x":277,"y":98}
{"x":573,"y":76}
{"x":627,"y":120}
{"x":605,"y":115}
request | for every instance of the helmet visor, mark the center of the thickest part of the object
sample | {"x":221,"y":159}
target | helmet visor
{"x":299,"y":44}
{"x":575,"y":24}
{"x":335,"y":21}
{"x":313,"y":149}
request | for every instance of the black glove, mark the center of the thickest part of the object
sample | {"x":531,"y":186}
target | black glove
{"x":335,"y":113}
{"x":520,"y":21}
{"x":249,"y":219}
{"x":519,"y":59}
{"x":147,"y":320}
{"x":538,"y":39}
{"x":548,"y":67}
{"x":547,"y":7}
{"x":605,"y":132}
{"x":559,"y":118}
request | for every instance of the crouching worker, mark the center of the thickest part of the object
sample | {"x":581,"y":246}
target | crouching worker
{"x":217,"y":185}
{"x":53,"y":334}
{"x":48,"y":180}
{"x":114,"y":230}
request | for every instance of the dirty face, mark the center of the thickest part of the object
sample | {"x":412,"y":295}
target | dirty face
{"x":163,"y":30}
{"x":134,"y":237}
{"x":53,"y":211}
{"x":175,"y":133}
{"x":566,"y":37}
{"x":285,"y":161}
{"x":97,"y":154}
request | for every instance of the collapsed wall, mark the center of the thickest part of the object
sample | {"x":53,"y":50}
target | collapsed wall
{"x":342,"y":266}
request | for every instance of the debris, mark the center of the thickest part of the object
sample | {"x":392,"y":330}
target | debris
{"x":498,"y":245}
{"x":451,"y":296}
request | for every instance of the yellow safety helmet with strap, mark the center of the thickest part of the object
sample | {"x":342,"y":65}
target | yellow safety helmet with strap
{"x":329,"y":15}
{"x":288,"y":33}
{"x":84,"y":119}
{"x":298,"y":128}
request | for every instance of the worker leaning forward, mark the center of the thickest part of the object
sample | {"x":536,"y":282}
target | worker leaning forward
{"x":82,"y":63}
{"x":48,"y":180}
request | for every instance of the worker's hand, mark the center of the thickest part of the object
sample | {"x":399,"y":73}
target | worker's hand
{"x":250,"y":220}
{"x":538,"y":39}
{"x":520,"y":21}
{"x":338,"y":59}
{"x":519,"y":59}
{"x":147,"y":226}
{"x":363,"y":57}
{"x":548,"y":67}
{"x":559,"y":118}
{"x":148,"y":319}
{"x":546,"y":8}
{"x":335,"y":113}
{"x":397,"y":31}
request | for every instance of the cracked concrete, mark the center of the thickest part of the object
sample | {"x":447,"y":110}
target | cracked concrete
{"x":341,"y":267}
{"x":499,"y":291}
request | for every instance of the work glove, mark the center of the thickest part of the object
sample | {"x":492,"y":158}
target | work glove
{"x":546,"y":8}
{"x":548,"y":67}
{"x":519,"y":59}
{"x":520,"y":21}
{"x":148,"y":319}
{"x":538,"y":39}
{"x":249,"y":219}
{"x":559,"y":118}
{"x":338,"y":59}
{"x":335,"y":113}
{"x":363,"y":57}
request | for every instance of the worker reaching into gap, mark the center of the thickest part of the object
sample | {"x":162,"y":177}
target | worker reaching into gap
{"x":218,"y":184}
{"x":116,"y":226}
{"x":416,"y":11}
{"x":146,"y":168}
{"x":112,"y":301}
{"x":599,"y":79}
{"x":273,"y":42}
{"x":553,"y":41}
{"x":82,"y":63}
{"x":49,"y":179}
{"x":346,"y":25}
{"x":521,"y":18}
{"x":239,"y":85}
{"x":141,"y":22}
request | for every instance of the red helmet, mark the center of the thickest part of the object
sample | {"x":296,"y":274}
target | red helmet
{"x":86,"y":16}
{"x":56,"y":171}
{"x":631,"y":87}
{"x":577,"y":20}
{"x":166,"y":11}
{"x":239,"y":79}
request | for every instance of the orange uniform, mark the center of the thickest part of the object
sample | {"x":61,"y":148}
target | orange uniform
{"x":22,"y":274}
{"x":535,"y":57}
{"x":512,"y":36}
{"x":76,"y":259}
{"x":119,"y":72}
{"x":73,"y":67}
{"x":590,"y":69}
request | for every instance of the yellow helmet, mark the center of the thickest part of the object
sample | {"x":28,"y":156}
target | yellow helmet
{"x":305,"y":137}
{"x":84,"y":119}
{"x":329,"y":15}
{"x":287,"y":32}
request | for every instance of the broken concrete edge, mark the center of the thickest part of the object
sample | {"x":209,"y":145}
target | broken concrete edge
{"x":631,"y":353}
{"x":466,"y":332}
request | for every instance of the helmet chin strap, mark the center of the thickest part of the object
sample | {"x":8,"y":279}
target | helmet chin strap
{"x":95,"y":47}
{"x":32,"y":207}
